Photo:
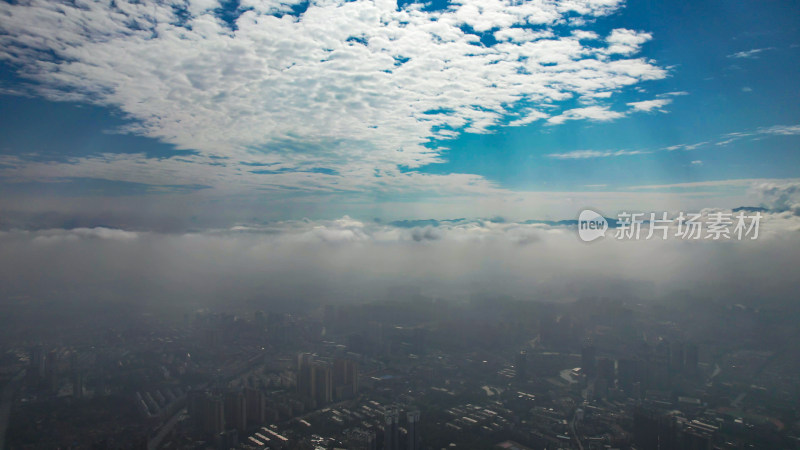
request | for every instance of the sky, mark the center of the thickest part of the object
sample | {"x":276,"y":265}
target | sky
{"x":194,"y":114}
{"x":203,"y":152}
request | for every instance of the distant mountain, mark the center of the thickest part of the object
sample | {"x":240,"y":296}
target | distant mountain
{"x":750,"y":209}
{"x":612,"y":223}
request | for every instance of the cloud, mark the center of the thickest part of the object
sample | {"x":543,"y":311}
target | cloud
{"x":604,"y":113}
{"x":624,"y":41}
{"x":781,"y":130}
{"x":673,"y":94}
{"x":58,"y":235}
{"x":348,"y":86}
{"x":346,"y":260}
{"x":779,"y":196}
{"x":747,"y":54}
{"x":529,"y":117}
{"x":697,"y":163}
{"x":776,"y":130}
{"x":595,"y":113}
{"x":586,"y":154}
{"x":240,"y":177}
{"x":650,"y":105}
{"x":732,"y":183}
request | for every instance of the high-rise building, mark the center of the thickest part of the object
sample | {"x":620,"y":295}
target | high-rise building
{"x":521,"y":365}
{"x":51,"y":372}
{"x":412,"y":426}
{"x":323,"y":381}
{"x":195,"y":405}
{"x":227,"y":439}
{"x":306,"y":385}
{"x":213,"y":414}
{"x":77,"y":384}
{"x":605,"y":369}
{"x":691,"y":359}
{"x":235,"y":411}
{"x":345,"y":378}
{"x":589,"y":360}
{"x":676,"y":354}
{"x":391,"y":428}
{"x":38,"y":365}
{"x":256,"y":406}
{"x":629,"y":372}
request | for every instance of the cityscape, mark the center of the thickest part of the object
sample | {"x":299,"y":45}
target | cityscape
{"x":412,"y":372}
{"x":399,"y":224}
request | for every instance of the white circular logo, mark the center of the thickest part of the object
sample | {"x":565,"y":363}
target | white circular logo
{"x":591,"y":225}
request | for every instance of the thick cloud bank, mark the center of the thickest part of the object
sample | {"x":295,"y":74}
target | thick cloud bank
{"x":348,"y":260}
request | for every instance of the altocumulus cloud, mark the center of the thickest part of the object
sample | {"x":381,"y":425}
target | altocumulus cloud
{"x":334,"y":95}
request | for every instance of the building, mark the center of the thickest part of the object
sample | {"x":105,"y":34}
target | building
{"x":195,"y":404}
{"x":361,"y":439}
{"x":629,"y":372}
{"x":589,"y":360}
{"x":691,"y":359}
{"x":213,"y":415}
{"x":345,"y":378}
{"x":521,"y":365}
{"x":676,"y":357}
{"x":77,"y":384}
{"x":306,"y":385}
{"x":605,"y":369}
{"x":256,"y":406}
{"x":391,"y":428}
{"x":653,"y":430}
{"x":412,"y":441}
{"x":323,"y":383}
{"x":235,"y":411}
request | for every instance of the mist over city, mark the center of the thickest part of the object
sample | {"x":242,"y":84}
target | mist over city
{"x":379,"y":224}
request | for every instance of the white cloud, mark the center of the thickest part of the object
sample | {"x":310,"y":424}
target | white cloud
{"x":781,"y":130}
{"x":673,"y":94}
{"x":586,"y":154}
{"x":748,"y":53}
{"x":650,"y":105}
{"x":625,"y":42}
{"x":697,"y":162}
{"x":687,"y":147}
{"x":776,"y":130}
{"x":528,"y":117}
{"x":735,"y":183}
{"x":585,"y":35}
{"x":596,"y":113}
{"x":350,"y":86}
{"x":779,"y":195}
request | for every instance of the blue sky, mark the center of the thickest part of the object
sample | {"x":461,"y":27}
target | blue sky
{"x":270,"y":109}
{"x":724,"y":94}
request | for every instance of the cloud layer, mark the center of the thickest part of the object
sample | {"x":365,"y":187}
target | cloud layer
{"x":349,"y":260}
{"x":327,"y":95}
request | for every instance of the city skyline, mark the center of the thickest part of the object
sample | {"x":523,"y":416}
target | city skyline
{"x":399,"y":224}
